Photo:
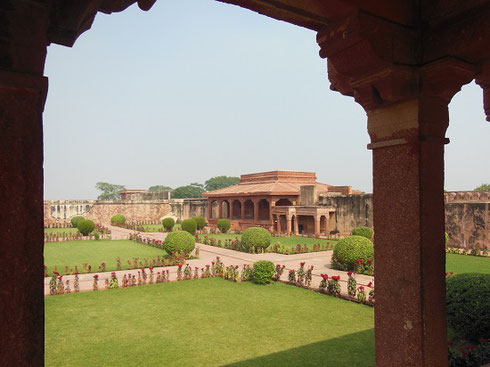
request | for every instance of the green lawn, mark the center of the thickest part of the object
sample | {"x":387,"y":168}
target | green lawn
{"x":157,"y":227}
{"x":73,"y":253}
{"x":207,"y":322}
{"x":286,"y":241}
{"x":467,"y":264}
{"x":69,"y":230}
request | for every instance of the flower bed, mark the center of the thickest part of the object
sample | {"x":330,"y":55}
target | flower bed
{"x":477,"y":251}
{"x":100,"y":232}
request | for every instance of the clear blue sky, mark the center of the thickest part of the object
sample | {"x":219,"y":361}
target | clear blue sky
{"x":194,"y":89}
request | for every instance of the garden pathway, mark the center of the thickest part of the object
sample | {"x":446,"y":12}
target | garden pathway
{"x":320,"y":261}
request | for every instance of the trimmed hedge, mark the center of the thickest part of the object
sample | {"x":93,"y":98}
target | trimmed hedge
{"x":189,"y":225}
{"x":179,"y":241}
{"x":257,"y":237}
{"x":263,"y":271}
{"x":85,"y":226}
{"x":468,"y":305}
{"x":350,"y":249}
{"x":364,"y":232}
{"x":200,"y":221}
{"x":168,"y":223}
{"x":224,"y":225}
{"x":74,"y":221}
{"x":118,"y":219}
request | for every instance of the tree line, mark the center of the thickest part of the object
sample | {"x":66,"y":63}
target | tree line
{"x":110,"y":191}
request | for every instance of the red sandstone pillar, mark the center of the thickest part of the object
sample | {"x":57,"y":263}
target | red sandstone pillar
{"x":210,"y":208}
{"x":22,"y":95}
{"x":279,"y":229}
{"x":242,"y":208}
{"x":317,"y":226}
{"x":256,"y":210}
{"x":288,"y":231}
{"x":408,"y":200}
{"x":296,"y":227}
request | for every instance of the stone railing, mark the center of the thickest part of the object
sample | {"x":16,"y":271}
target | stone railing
{"x":467,"y":196}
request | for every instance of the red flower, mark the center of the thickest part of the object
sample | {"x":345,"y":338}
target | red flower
{"x":349,"y":273}
{"x":370,"y":284}
{"x":360,"y":261}
{"x":45,"y":267}
{"x":465,"y":353}
{"x":361,"y":288}
{"x":56,"y":272}
{"x":336,"y":277}
{"x":76,"y":273}
{"x":96,"y":277}
{"x":61,"y":277}
{"x":302,"y":264}
{"x":452,"y":272}
{"x":471,"y":347}
{"x":482,"y":340}
{"x":370,"y":261}
{"x":324,"y":276}
{"x":180,"y":265}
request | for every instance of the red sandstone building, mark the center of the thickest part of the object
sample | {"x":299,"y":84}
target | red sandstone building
{"x":281,"y":201}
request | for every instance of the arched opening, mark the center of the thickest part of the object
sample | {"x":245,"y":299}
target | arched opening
{"x":225,"y":209}
{"x":249,"y":209}
{"x":237,"y":210}
{"x":284,"y":202}
{"x":214,"y":209}
{"x":284,"y":223}
{"x":264,"y":210}
{"x":323,"y":225}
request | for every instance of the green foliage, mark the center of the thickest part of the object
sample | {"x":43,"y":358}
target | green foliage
{"x":159,"y":188}
{"x":194,"y":190}
{"x":220,"y":182}
{"x":109,"y":191}
{"x":85,"y":226}
{"x":256,"y":237}
{"x":364,"y":232}
{"x":263,"y":271}
{"x":483,"y":187}
{"x":168,"y":223}
{"x":200,"y":221}
{"x":224,"y":225}
{"x":350,"y":249}
{"x":74,"y":221}
{"x":446,"y":236}
{"x":468,"y":305}
{"x":179,"y":241}
{"x":118,"y":219}
{"x":189,"y":225}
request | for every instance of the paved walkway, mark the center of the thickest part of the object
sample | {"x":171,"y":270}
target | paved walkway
{"x":320,"y":261}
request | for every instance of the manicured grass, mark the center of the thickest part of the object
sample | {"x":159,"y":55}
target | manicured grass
{"x":153,"y":227}
{"x":73,"y":253}
{"x":207,"y":322}
{"x":286,"y":241}
{"x":69,"y":230}
{"x":467,"y":264}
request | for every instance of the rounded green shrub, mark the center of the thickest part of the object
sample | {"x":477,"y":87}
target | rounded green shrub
{"x":85,"y":226}
{"x":179,"y":241}
{"x":168,"y":223}
{"x":263,"y":271}
{"x":74,"y":221}
{"x":200,"y":221}
{"x":364,"y":232}
{"x":189,"y":225}
{"x":224,"y":225}
{"x":468,"y":305}
{"x":350,"y":249}
{"x":256,"y":237}
{"x":118,"y":219}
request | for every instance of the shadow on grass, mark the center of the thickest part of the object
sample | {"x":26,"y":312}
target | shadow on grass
{"x":355,"y":349}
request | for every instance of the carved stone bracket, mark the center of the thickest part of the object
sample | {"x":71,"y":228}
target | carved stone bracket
{"x":483,"y":80}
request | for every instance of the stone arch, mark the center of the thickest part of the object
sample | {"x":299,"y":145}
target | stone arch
{"x":284,"y":202}
{"x":236,"y":210}
{"x":214,"y":209}
{"x":264,"y":209}
{"x":249,"y":209}
{"x":225,"y":209}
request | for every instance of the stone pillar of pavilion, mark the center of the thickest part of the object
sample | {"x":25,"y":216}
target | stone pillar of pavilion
{"x":210,"y":208}
{"x":220,"y":209}
{"x":407,"y":120}
{"x":256,"y":210}
{"x":242,"y":209}
{"x":289,"y":224}
{"x":279,"y":229}
{"x":317,"y":225}
{"x":23,"y":92}
{"x":327,"y":225}
{"x":296,"y":227}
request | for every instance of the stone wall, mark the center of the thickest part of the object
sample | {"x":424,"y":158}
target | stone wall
{"x":59,"y":212}
{"x":350,"y":211}
{"x":468,"y":224}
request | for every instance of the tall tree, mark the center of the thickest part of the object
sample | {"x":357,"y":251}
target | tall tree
{"x":483,"y":187}
{"x":220,"y":182}
{"x":109,"y":191}
{"x":193,"y":190}
{"x":159,"y":188}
